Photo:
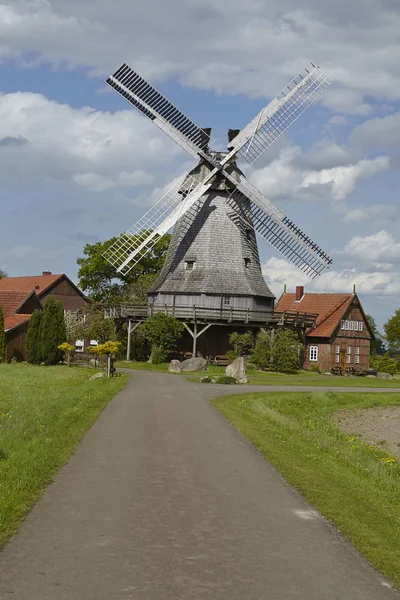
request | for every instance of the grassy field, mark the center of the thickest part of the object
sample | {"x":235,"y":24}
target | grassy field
{"x":44,"y":413}
{"x":353,"y":484}
{"x":261,"y":378}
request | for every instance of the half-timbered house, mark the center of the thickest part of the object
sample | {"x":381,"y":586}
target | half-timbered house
{"x":341,"y":336}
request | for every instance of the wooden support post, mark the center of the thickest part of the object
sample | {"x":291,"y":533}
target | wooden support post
{"x":128,"y":345}
{"x":194,"y":339}
{"x":130,"y":331}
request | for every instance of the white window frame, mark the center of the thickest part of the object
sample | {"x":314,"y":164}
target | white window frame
{"x":226,"y":300}
{"x":351,"y":325}
{"x":357,"y":350}
{"x":348,"y":358}
{"x":313,"y":353}
{"x":79,"y":345}
{"x":337,"y":358}
{"x":355,"y":325}
{"x":337,"y":349}
{"x":357,"y":359}
{"x":347,"y":325}
{"x":360,"y":326}
{"x":348,"y":350}
{"x":342,"y":324}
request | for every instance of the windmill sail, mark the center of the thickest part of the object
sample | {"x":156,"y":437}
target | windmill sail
{"x":275,"y":227}
{"x":135,"y":243}
{"x":279,"y":114}
{"x":161,"y":111}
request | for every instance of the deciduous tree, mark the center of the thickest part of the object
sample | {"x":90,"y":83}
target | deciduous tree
{"x":377,"y":346}
{"x":392,"y":331}
{"x":101,"y":281}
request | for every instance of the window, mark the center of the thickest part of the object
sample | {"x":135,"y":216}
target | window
{"x":189,"y":265}
{"x":247,"y":263}
{"x":357,"y":360}
{"x":313,"y":353}
{"x":348,"y":358}
{"x":342,"y":324}
{"x":357,"y":349}
{"x":227,"y":300}
{"x":348,"y":349}
{"x":351,"y":325}
{"x":337,"y":350}
{"x":346,"y":325}
{"x":337,"y":358}
{"x":355,"y":325}
{"x":360,"y":326}
{"x":79,"y":346}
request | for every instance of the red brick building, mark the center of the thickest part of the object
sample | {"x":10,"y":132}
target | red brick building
{"x":20,"y":296}
{"x":341,"y":336}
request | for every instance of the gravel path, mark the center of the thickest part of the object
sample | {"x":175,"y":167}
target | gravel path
{"x":164,"y":500}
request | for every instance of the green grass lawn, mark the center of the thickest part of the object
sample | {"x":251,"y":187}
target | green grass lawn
{"x":44,"y":414}
{"x":353,"y":484}
{"x":256,"y":377}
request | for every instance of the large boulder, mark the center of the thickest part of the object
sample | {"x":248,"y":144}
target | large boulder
{"x":384,"y":376}
{"x":194,"y":364}
{"x":237,"y":369}
{"x":175,"y":366}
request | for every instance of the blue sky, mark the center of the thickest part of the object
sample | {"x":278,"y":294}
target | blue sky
{"x":77,"y":164}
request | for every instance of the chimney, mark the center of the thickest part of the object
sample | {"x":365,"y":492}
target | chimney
{"x":46,"y":273}
{"x":284,"y":288}
{"x":299,"y":292}
{"x":354,"y":288}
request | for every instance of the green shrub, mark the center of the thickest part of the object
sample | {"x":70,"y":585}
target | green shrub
{"x":158,"y":355}
{"x":241,"y":343}
{"x":225,"y":379}
{"x":162,"y":332}
{"x":277,"y":350}
{"x":387,"y":365}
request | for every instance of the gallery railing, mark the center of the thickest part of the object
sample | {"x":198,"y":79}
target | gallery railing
{"x":204,"y":314}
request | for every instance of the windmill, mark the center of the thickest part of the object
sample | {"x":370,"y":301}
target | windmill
{"x":212,"y":273}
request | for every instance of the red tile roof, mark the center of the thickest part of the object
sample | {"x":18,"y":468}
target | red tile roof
{"x":329,"y":307}
{"x":15,"y":320}
{"x":10,"y":301}
{"x":39,"y":283}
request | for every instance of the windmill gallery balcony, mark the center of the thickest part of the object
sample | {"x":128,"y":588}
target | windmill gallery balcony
{"x":217,"y":316}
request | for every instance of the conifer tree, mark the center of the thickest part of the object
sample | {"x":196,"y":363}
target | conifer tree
{"x":49,"y":333}
{"x":32,"y":338}
{"x":2,"y":338}
{"x":61,"y":328}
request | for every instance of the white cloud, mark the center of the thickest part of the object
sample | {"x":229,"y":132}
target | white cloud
{"x":379,"y":249}
{"x":344,"y":179}
{"x":285,"y":178}
{"x":375,"y":212}
{"x":98,"y":150}
{"x":278,"y":272}
{"x":228,"y":46}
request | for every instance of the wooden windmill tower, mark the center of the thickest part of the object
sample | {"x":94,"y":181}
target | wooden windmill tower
{"x":212,"y":273}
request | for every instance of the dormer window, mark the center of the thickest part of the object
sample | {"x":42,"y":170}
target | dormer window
{"x":189,"y":265}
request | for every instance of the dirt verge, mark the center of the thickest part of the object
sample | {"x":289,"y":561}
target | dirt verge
{"x":379,"y":425}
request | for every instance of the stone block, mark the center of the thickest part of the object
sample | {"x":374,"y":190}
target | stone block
{"x":237,"y":369}
{"x":194,"y":364}
{"x":175,"y":366}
